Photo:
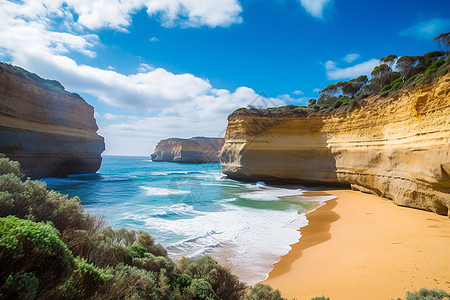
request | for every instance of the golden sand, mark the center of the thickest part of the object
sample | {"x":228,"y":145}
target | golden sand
{"x":360,"y":246}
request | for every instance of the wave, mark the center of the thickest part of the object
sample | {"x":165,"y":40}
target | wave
{"x":154,"y":191}
{"x":262,"y":192}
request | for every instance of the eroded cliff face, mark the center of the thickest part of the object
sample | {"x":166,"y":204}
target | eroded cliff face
{"x":193,"y":150}
{"x":397,"y":147}
{"x":50,"y":131}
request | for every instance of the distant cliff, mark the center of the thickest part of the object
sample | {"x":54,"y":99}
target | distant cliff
{"x":50,"y":131}
{"x":193,"y":150}
{"x":396,"y":147}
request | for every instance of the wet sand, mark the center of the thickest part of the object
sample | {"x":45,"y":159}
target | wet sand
{"x":361,"y":246}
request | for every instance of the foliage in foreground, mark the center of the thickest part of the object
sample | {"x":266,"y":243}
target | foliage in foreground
{"x":50,"y":249}
{"x":426,"y":294}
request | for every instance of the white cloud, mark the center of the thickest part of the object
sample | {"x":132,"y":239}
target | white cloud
{"x":203,"y":116}
{"x":109,"y":116}
{"x":314,"y":7}
{"x":154,"y":39}
{"x":143,"y":68}
{"x":298,"y":92}
{"x":316,"y":90}
{"x":177,"y":104}
{"x":427,"y":29}
{"x":364,"y":68}
{"x":351,"y":57}
{"x":117,"y":14}
{"x":330,"y":65}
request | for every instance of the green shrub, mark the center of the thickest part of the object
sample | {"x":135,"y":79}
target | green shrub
{"x":8,"y":166}
{"x":154,"y":263}
{"x":336,"y":104}
{"x":87,"y":279}
{"x":35,"y":249}
{"x":20,"y":286}
{"x":426,"y":294}
{"x":320,"y":298}
{"x":128,"y":282}
{"x":31,"y":200}
{"x":224,"y":284}
{"x":263,"y":292}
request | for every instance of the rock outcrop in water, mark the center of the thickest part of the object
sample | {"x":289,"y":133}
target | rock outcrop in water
{"x":193,"y":150}
{"x":50,"y":131}
{"x":396,"y":147}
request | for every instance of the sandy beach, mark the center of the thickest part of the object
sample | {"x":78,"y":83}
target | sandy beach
{"x":360,"y":246}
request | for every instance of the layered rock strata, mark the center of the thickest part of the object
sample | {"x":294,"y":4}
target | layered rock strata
{"x":396,"y":147}
{"x":50,"y":131}
{"x":193,"y":150}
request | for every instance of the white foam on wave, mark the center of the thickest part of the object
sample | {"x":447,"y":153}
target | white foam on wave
{"x":258,"y":237}
{"x":175,"y":209}
{"x":152,"y":191}
{"x":263,"y":192}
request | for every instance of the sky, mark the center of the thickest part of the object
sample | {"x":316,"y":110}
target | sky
{"x":155,"y":69}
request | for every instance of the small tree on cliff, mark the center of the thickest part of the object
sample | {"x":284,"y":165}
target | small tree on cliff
{"x":351,"y":87}
{"x":443,"y":42}
{"x":389,"y":60}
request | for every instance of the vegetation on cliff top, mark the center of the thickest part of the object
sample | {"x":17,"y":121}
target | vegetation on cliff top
{"x":388,"y":78}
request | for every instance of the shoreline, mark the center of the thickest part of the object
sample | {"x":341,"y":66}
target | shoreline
{"x":360,"y":246}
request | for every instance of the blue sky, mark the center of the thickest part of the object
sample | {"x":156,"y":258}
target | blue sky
{"x":155,"y":69}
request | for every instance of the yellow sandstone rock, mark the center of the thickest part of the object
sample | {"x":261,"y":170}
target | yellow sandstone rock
{"x":396,"y":147}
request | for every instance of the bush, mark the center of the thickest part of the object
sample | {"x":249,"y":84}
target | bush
{"x":128,"y":282}
{"x":34,"y":249}
{"x":87,"y":279}
{"x":263,"y":292}
{"x":31,"y":200}
{"x":426,"y":294}
{"x":224,"y":284}
{"x":320,"y":298}
{"x":20,"y":286}
{"x":8,"y":166}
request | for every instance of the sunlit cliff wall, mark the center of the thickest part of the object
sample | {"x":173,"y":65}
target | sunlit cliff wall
{"x":396,"y":147}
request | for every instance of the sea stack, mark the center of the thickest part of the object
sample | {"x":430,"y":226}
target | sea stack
{"x":193,"y":150}
{"x":396,"y":147}
{"x":50,"y":131}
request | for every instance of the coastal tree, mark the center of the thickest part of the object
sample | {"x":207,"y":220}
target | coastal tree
{"x":405,"y":66}
{"x":389,"y":60}
{"x":380,"y":77}
{"x":443,"y":42}
{"x":351,"y":87}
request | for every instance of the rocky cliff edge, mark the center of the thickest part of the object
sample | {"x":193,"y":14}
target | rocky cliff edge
{"x":396,"y":147}
{"x":50,"y":131}
{"x":193,"y":150}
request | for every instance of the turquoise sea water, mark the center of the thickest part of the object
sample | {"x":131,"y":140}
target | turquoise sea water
{"x":191,"y":209}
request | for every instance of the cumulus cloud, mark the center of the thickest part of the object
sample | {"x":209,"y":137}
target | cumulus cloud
{"x":298,"y":92}
{"x":41,"y":35}
{"x":351,"y":57}
{"x":364,"y":68}
{"x":314,"y":7}
{"x":203,"y":116}
{"x":316,"y":90}
{"x":427,"y":29}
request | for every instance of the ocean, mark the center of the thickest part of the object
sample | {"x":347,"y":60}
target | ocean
{"x":193,"y":210}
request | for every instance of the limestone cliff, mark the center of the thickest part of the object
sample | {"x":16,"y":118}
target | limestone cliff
{"x":50,"y":131}
{"x":396,"y":147}
{"x":193,"y":150}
